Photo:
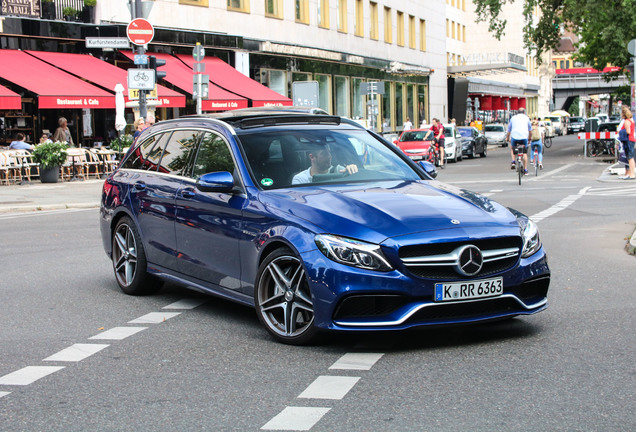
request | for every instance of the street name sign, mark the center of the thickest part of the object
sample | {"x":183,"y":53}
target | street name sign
{"x":107,"y":42}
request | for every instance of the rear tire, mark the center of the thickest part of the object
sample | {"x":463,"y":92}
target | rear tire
{"x":485,"y":152}
{"x":129,"y":260}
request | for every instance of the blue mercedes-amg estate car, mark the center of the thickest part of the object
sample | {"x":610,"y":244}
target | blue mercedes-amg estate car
{"x":318,"y":223}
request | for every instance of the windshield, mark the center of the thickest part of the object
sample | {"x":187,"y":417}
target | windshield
{"x":576,"y":120}
{"x":554,"y":119}
{"x":493,"y":128}
{"x":295,"y":156}
{"x":414,"y":136}
{"x":465,"y":132}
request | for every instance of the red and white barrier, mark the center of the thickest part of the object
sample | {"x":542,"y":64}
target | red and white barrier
{"x":597,"y":135}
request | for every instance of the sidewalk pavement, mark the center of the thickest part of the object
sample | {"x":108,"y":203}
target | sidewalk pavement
{"x":38,"y":196}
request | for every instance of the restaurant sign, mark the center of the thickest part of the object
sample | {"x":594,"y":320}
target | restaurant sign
{"x":48,"y":102}
{"x":24,"y":8}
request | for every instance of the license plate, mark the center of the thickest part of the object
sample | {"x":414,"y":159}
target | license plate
{"x":415,"y":158}
{"x":454,"y":291}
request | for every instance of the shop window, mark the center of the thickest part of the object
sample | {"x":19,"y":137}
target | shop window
{"x":388,"y":26}
{"x":357,"y":100}
{"x":203,"y":3}
{"x":323,"y":14}
{"x":387,"y":112}
{"x":302,"y":11}
{"x":411,"y":32}
{"x":422,"y":110}
{"x":342,"y":16}
{"x":374,"y":32}
{"x":274,"y":8}
{"x":399,"y":107}
{"x":341,"y":96}
{"x":238,"y":5}
{"x":359,"y":31}
{"x":301,"y":76}
{"x":410,"y":102}
{"x":324,"y":91}
{"x":422,"y":35}
{"x":277,"y":81}
{"x":400,"y":28}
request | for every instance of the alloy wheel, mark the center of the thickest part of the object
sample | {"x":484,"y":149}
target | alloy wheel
{"x":125,"y":255}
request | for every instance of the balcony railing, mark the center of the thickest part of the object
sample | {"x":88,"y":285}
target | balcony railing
{"x":60,"y":5}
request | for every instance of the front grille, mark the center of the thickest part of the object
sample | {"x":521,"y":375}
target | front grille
{"x":435,"y":261}
{"x":460,"y":311}
{"x":368,"y":306}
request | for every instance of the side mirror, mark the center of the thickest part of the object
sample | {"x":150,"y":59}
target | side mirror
{"x":429,"y":169}
{"x":395,"y":142}
{"x":221,"y":181}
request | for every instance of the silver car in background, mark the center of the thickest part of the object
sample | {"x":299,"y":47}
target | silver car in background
{"x":496,"y":134}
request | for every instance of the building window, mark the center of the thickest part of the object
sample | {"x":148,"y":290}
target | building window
{"x":373,"y":17}
{"x":342,"y":16}
{"x":400,"y":28}
{"x":274,"y":8}
{"x":464,"y":33}
{"x":357,"y":100}
{"x":341,"y":95}
{"x":203,"y":3}
{"x":276,"y":80}
{"x":452,"y":24}
{"x":323,"y":14}
{"x":359,"y":18}
{"x":238,"y":5}
{"x":324,"y":91}
{"x":447,"y":28}
{"x":412,"y":32}
{"x":387,"y":112}
{"x":422,"y":35}
{"x":388,"y":26}
{"x":302,"y":11}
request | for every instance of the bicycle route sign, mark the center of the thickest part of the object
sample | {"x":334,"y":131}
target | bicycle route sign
{"x":140,"y":31}
{"x":141,"y":79}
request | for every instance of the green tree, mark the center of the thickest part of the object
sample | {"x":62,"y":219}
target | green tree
{"x":603,"y":26}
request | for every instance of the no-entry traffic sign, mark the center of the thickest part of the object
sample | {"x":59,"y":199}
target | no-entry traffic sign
{"x":140,"y":31}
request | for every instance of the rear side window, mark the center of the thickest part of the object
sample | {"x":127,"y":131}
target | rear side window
{"x":213,"y":156}
{"x":147,"y":155}
{"x":178,"y":152}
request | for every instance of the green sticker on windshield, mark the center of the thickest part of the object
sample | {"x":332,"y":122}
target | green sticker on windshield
{"x":267,"y":182}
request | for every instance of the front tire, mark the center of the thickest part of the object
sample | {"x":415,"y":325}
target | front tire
{"x":283,"y":300}
{"x":129,"y":260}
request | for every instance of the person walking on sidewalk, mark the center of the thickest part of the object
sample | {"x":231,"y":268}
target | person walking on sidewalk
{"x":63,"y":133}
{"x":519,"y":132}
{"x":628,"y":146}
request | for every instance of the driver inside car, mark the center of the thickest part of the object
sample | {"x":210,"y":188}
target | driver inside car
{"x":321,"y":164}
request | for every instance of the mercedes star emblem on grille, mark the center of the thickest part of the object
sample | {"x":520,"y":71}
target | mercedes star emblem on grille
{"x":469,"y":260}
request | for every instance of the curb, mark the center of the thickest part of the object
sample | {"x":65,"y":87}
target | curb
{"x":48,"y":207}
{"x":630,"y":247}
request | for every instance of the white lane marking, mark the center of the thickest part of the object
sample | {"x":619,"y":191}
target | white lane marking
{"x":186,"y":303}
{"x":28,"y":375}
{"x":296,"y":419}
{"x":329,"y":387}
{"x":356,"y":361}
{"x":561,"y":205}
{"x":118,"y":333}
{"x":549,"y":173}
{"x":154,"y":318}
{"x":4,"y":393}
{"x":76,"y":352}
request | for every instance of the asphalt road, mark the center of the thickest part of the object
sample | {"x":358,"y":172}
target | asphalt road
{"x":213,"y":368}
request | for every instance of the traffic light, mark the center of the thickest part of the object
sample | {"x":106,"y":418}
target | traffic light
{"x":155,"y":63}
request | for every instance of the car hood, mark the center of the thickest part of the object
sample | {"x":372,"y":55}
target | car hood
{"x":375,"y":212}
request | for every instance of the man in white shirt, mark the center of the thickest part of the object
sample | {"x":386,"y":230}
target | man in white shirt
{"x":321,"y":164}
{"x":519,"y":130}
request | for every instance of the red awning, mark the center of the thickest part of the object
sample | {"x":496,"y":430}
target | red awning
{"x":228,"y":78}
{"x":54,"y":87}
{"x":104,"y":74}
{"x":9,"y":100}
{"x":181,"y":75}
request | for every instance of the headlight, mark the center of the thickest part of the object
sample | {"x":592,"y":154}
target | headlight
{"x":352,"y":252}
{"x":530,"y":235}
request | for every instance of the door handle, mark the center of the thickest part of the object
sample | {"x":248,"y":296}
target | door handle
{"x":140,"y":186}
{"x":188,"y":193}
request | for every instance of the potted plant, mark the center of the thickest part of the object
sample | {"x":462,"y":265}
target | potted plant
{"x":88,"y":13}
{"x":48,"y":9}
{"x":51,"y":156}
{"x":70,"y":13}
{"x":121,"y":143}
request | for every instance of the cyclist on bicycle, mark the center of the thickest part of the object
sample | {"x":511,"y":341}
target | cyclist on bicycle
{"x":437,"y":130}
{"x":519,"y":130}
{"x":536,"y":141}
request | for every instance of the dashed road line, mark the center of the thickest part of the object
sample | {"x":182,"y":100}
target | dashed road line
{"x":154,"y":318}
{"x":118,"y":333}
{"x":76,"y":352}
{"x":4,"y":393}
{"x":186,"y":303}
{"x":329,"y":387}
{"x":356,"y":361}
{"x":28,"y":375}
{"x":296,"y":419}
